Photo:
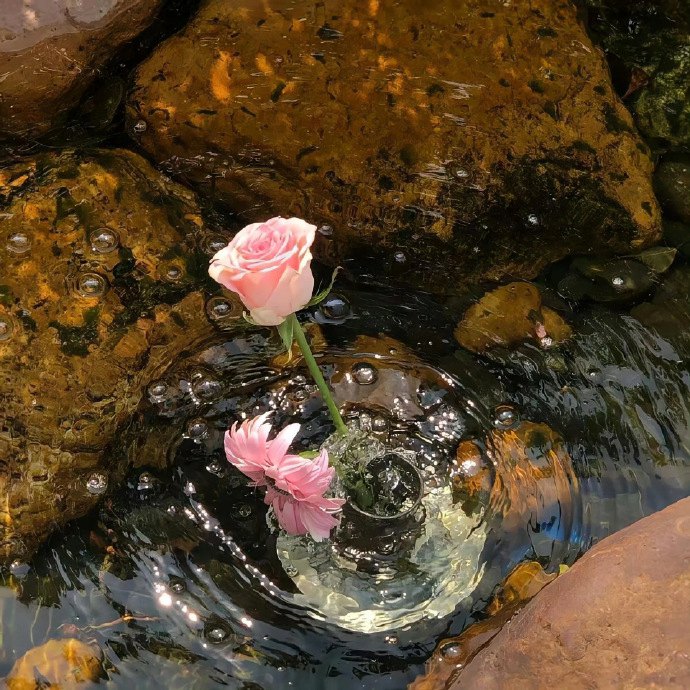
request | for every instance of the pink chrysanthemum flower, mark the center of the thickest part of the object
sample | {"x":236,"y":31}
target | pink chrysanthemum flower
{"x":295,"y":486}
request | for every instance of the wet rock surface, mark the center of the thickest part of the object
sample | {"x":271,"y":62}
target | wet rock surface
{"x":52,"y":50}
{"x":373,"y":122}
{"x":510,"y":315}
{"x":633,"y":634}
{"x":98,"y":256}
{"x":59,"y":664}
{"x":648,"y":44}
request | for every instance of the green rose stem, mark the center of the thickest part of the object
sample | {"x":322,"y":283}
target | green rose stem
{"x":301,"y":339}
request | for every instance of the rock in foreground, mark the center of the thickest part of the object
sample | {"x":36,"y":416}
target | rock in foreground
{"x":444,"y":141}
{"x":617,"y":619}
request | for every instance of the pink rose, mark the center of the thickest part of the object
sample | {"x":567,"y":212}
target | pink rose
{"x":269,"y":266}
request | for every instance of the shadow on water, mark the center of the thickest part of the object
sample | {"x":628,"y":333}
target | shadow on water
{"x":183,"y":581}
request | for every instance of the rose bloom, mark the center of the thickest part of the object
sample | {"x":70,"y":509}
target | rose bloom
{"x":269,"y":266}
{"x":295,"y":486}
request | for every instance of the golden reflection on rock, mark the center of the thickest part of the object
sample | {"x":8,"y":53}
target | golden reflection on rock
{"x":532,"y":476}
{"x":85,"y":247}
{"x":58,"y":664}
{"x":507,"y":316}
{"x":452,"y":654}
{"x":446,"y":130}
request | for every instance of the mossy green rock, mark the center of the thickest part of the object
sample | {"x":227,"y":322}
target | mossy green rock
{"x":88,"y":324}
{"x":442,"y":142}
{"x":663,"y":108}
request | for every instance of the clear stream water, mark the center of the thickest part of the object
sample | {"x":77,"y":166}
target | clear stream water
{"x":193,"y":593}
{"x":181,"y":578}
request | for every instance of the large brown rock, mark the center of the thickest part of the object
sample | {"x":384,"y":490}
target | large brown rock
{"x":449,"y":140}
{"x":618,"y":619}
{"x":51,"y":50}
{"x":94,"y":304}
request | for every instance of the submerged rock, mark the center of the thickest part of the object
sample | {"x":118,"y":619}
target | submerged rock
{"x":52,"y":50}
{"x":424,"y":138}
{"x":616,"y":281}
{"x":648,"y":42}
{"x":618,"y":618}
{"x":672,"y":184}
{"x":57,"y":664}
{"x":663,"y":108}
{"x":508,"y":316}
{"x":93,"y":304}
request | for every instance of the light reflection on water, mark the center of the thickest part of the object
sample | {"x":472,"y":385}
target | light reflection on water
{"x":178,"y":578}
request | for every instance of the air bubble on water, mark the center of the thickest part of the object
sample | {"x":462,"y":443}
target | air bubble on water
{"x":215,"y":467}
{"x":146,"y":481}
{"x":617,"y":281}
{"x":177,"y":585}
{"x":189,"y":489}
{"x":505,"y":417}
{"x":216,"y":634}
{"x":158,"y":391}
{"x":244,"y":510}
{"x":6,"y":328}
{"x":299,"y":380}
{"x":103,"y":240}
{"x":364,"y":373}
{"x":212,"y":245}
{"x":451,"y":651}
{"x":197,"y":429}
{"x":19,"y":568}
{"x":96,"y":484}
{"x":400,"y":257}
{"x":173,"y":273}
{"x":206,"y":389}
{"x":379,"y":423}
{"x":326,"y":231}
{"x":533,"y":219}
{"x":91,"y":285}
{"x":18,"y":243}
{"x":364,"y":421}
{"x":392,"y":639}
{"x":546,"y":341}
{"x":335,"y":307}
{"x":219,"y":309}
{"x":139,"y":127}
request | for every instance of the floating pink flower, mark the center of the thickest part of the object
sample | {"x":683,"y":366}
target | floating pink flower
{"x":247,"y":446}
{"x":305,"y":517}
{"x":301,"y":477}
{"x":295,"y":486}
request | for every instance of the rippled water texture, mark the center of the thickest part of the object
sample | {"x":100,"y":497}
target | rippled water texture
{"x":183,"y":582}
